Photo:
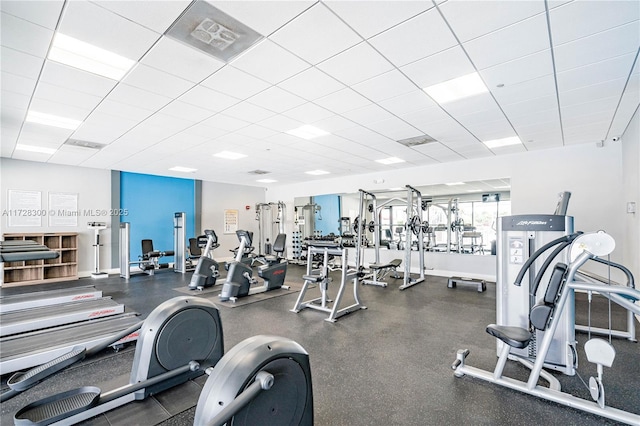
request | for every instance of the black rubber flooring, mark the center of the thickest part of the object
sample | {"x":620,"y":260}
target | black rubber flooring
{"x":387,"y":365}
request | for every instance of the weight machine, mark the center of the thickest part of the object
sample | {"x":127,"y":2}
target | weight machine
{"x":269,"y":226}
{"x":417,"y":227}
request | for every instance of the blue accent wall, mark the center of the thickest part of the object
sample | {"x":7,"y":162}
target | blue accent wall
{"x":330,"y":212}
{"x":151,"y":202}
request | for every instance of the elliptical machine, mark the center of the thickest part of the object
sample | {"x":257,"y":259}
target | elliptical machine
{"x":207,"y":269}
{"x":240,"y":275}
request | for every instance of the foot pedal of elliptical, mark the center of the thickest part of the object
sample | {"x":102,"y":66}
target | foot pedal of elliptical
{"x":23,"y":380}
{"x":57,"y":407}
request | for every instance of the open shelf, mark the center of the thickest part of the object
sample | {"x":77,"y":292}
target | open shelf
{"x":64,"y":267}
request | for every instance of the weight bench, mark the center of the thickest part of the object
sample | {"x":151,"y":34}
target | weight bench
{"x":149,"y":261}
{"x":380,"y":270}
{"x":482,"y":284}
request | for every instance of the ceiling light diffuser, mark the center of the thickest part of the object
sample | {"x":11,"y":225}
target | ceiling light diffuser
{"x":307,"y":132}
{"x":32,"y":148}
{"x":497,"y":143}
{"x":79,"y":54}
{"x":183,"y":169}
{"x":52,"y":120}
{"x":390,"y":160}
{"x":458,"y":88}
{"x":317,"y":172}
{"x":229,"y":155}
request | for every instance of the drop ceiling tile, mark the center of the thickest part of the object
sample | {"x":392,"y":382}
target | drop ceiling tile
{"x":17,"y":84}
{"x":134,"y":96}
{"x":308,"y":113}
{"x":280,"y":123}
{"x":70,"y":97}
{"x":276,"y":99}
{"x":334,"y":124}
{"x":407,"y":103}
{"x":11,"y":119}
{"x":24,"y":36}
{"x":342,"y":101}
{"x":400,"y":44}
{"x":311,"y":84}
{"x":369,"y":18}
{"x":598,"y":47}
{"x":205,"y":131}
{"x":44,"y":13}
{"x":256,"y":131}
{"x":76,"y":79}
{"x":425,"y":118}
{"x":627,"y":108}
{"x":511,"y":149}
{"x":208,"y":99}
{"x":264,"y":17}
{"x":546,"y":116}
{"x":38,"y":134}
{"x":224,"y":122}
{"x":442,"y":66}
{"x":103,"y":134}
{"x":598,"y":72}
{"x":471,"y":105}
{"x":394,"y":128}
{"x":157,"y":18}
{"x":583,"y":111}
{"x":270,"y":62}
{"x":512,"y":42}
{"x":579,"y":19}
{"x":60,"y":109}
{"x":126,"y":38}
{"x":109,"y":109}
{"x":490,"y":130}
{"x":356,"y":64}
{"x":364,"y":136}
{"x":526,"y":107}
{"x":19,"y":63}
{"x":526,"y":90}
{"x":186,"y":111}
{"x":463,"y":15}
{"x":181,"y":60}
{"x":593,"y":92}
{"x":233,"y":82}
{"x":31,"y":156}
{"x":385,"y":86}
{"x":156,"y":81}
{"x":14,"y":100}
{"x":543,"y":138}
{"x":369,"y":114}
{"x":248,"y":112}
{"x":307,"y":35}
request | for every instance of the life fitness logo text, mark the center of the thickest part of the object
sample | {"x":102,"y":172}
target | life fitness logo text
{"x":102,"y":312}
{"x":84,"y":296}
{"x":280,"y":272}
{"x":531,"y":222}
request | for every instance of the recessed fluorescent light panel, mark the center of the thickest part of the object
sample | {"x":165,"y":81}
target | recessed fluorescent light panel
{"x":307,"y":132}
{"x":212,"y":31}
{"x":317,"y":172}
{"x":390,"y":160}
{"x":458,"y":88}
{"x":497,"y":143}
{"x":454,"y":183}
{"x":229,"y":155}
{"x":266,"y":180}
{"x":182,"y":169}
{"x":52,"y":120}
{"x":78,"y":54}
{"x":32,"y":148}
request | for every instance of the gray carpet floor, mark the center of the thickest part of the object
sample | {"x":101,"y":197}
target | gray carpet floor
{"x":387,"y":365}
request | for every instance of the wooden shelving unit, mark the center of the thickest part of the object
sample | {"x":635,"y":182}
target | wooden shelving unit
{"x":63,"y":268}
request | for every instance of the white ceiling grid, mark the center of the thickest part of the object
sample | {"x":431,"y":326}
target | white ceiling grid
{"x":558,"y":73}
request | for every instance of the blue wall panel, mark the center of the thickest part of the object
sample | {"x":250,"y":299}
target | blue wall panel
{"x":330,"y":212}
{"x":151,"y":202}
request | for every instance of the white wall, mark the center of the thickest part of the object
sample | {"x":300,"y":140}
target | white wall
{"x":631,"y":193}
{"x":218,"y":197}
{"x":93,"y":187}
{"x":591,"y":174}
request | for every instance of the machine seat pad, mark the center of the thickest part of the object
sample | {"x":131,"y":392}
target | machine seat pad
{"x":516,"y":337}
{"x":393,"y":264}
{"x":313,"y":278}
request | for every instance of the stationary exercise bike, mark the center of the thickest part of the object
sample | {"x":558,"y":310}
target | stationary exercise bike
{"x":240,"y":275}
{"x":207,"y":269}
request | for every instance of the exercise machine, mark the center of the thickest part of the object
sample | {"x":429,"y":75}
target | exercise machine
{"x":240,"y":275}
{"x":97,"y":227}
{"x":322,"y":280}
{"x":178,"y":341}
{"x":179,"y":242}
{"x":546,"y":316}
{"x":207,"y":270}
{"x":271,"y":220}
{"x":262,"y":380}
{"x":418,"y":227}
{"x":148,"y":262}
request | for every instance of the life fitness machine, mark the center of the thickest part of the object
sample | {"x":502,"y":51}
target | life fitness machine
{"x":97,"y":227}
{"x":546,"y":316}
{"x":207,"y":269}
{"x":240,"y":275}
{"x":263,"y":378}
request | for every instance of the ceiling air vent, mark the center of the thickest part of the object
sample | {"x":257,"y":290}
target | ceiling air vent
{"x":417,"y":140}
{"x":84,"y":144}
{"x":259,"y":172}
{"x":214,"y":32}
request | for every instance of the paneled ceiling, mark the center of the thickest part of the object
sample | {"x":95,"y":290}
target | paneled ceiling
{"x":558,"y":73}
